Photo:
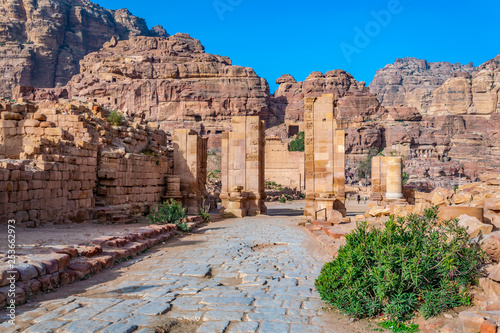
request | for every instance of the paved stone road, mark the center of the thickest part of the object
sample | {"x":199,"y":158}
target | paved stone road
{"x":240,"y":275}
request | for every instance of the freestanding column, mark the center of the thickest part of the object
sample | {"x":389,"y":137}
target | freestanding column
{"x":243,"y":168}
{"x":190,"y":165}
{"x":378,"y":178}
{"x":394,"y":178}
{"x":324,"y":157}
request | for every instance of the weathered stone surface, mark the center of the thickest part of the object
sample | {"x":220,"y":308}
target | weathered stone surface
{"x":410,"y":81}
{"x":453,"y":212}
{"x":26,"y":271}
{"x":491,"y":245}
{"x":470,"y":322}
{"x":492,"y":204}
{"x":474,"y":226}
{"x":42,"y":42}
{"x":180,"y":84}
{"x":469,"y":94}
{"x":354,"y":98}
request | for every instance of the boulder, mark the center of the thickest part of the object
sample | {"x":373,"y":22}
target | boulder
{"x":335,"y":217}
{"x":474,"y":226}
{"x":492,"y":204}
{"x":453,"y":212}
{"x":470,"y":322}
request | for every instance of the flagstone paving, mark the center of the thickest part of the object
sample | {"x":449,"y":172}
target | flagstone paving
{"x":253,"y":274}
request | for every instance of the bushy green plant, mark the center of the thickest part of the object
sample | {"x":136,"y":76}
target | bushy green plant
{"x":298,"y":143}
{"x":406,"y":178}
{"x":282,"y":200}
{"x":169,"y":212}
{"x":115,"y":118}
{"x":204,"y":215}
{"x":412,"y":264}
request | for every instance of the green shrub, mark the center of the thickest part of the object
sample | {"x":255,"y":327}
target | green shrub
{"x":149,"y":152}
{"x":406,"y":178}
{"x":204,"y":213}
{"x":282,"y":199}
{"x":298,"y":143}
{"x":407,"y":266}
{"x":115,"y":118}
{"x":169,"y":212}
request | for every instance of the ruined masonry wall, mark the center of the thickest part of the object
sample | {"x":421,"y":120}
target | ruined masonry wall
{"x":283,"y":166}
{"x":55,"y":164}
{"x":133,"y":179}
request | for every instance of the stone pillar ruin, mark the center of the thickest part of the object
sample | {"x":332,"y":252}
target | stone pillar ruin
{"x":243,"y":162}
{"x":378,"y":178}
{"x":387,"y":178}
{"x":190,"y":165}
{"x":394,"y":178}
{"x":324,"y":156}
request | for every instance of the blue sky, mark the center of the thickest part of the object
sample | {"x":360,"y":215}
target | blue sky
{"x":298,"y":37}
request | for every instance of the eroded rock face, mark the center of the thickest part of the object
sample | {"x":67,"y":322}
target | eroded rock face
{"x":410,"y":82}
{"x":470,"y":94}
{"x":438,"y":148}
{"x":354,"y":98}
{"x":42,"y":41}
{"x":171,"y":81}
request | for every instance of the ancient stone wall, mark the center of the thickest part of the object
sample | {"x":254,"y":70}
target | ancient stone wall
{"x":133,"y":182}
{"x":243,"y":166}
{"x":58,"y":161}
{"x":284,"y":167}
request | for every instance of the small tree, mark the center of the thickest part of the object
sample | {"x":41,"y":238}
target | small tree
{"x":115,"y":118}
{"x":298,"y":143}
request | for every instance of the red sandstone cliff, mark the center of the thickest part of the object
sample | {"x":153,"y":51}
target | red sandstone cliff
{"x":171,"y":81}
{"x":354,"y":98}
{"x":411,"y":82}
{"x":42,"y":41}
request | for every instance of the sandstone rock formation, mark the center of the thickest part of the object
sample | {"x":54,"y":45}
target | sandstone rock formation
{"x":354,"y":98}
{"x":42,"y":41}
{"x":470,"y":94}
{"x":171,"y":81}
{"x":444,"y":128}
{"x":410,"y":81}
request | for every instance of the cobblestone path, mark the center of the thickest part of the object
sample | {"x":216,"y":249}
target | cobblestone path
{"x":240,"y":275}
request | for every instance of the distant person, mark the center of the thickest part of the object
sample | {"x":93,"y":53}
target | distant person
{"x":364,"y":200}
{"x":359,"y":199}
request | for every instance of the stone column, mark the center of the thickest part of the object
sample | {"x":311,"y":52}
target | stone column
{"x":378,"y":178}
{"x":309,"y":155}
{"x":339,"y":171}
{"x":190,"y":165}
{"x":394,"y":178}
{"x":324,"y":156}
{"x":243,"y":162}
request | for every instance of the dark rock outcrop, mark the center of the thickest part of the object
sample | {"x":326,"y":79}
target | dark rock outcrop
{"x":42,"y":41}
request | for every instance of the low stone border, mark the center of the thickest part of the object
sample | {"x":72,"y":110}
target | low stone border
{"x":43,"y":273}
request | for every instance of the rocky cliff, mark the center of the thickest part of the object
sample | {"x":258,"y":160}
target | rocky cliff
{"x":355,"y":100}
{"x":411,"y":82}
{"x":42,"y":41}
{"x":470,"y":94}
{"x":443,"y":118}
{"x":171,"y":81}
